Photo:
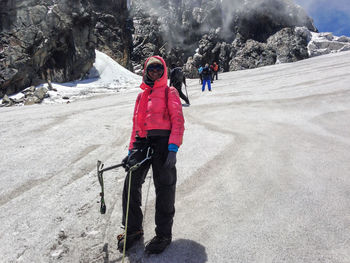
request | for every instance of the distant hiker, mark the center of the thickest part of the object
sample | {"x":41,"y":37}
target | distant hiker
{"x":215,"y":70}
{"x":158,"y":123}
{"x":212,"y":73}
{"x":206,"y":75}
{"x":200,"y":70}
{"x":177,"y":77}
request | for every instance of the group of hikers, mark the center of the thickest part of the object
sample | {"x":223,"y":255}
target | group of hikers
{"x":157,"y":131}
{"x":207,"y":74}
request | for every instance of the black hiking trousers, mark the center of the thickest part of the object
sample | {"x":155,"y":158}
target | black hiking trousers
{"x":215,"y":74}
{"x":165,"y":187}
{"x":182,"y":96}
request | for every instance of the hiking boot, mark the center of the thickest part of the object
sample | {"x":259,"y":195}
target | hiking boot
{"x":131,"y":239}
{"x":157,"y":245}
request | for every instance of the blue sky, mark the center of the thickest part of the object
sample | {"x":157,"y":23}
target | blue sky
{"x":329,"y":16}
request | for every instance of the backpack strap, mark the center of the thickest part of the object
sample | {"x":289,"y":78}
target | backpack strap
{"x":166,"y":96}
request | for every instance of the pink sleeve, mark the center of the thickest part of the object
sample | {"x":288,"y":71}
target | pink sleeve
{"x":176,"y":117}
{"x":133,"y":133}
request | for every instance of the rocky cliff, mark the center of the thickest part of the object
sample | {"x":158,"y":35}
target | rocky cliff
{"x":44,"y":40}
{"x":236,"y":33}
{"x":113,"y":30}
{"x":55,"y":40}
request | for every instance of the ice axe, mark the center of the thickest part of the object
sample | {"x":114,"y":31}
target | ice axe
{"x":100,"y":171}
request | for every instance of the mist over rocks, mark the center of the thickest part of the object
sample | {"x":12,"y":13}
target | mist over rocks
{"x":196,"y":32}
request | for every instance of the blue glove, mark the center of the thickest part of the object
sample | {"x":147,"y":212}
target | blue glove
{"x":173,"y":147}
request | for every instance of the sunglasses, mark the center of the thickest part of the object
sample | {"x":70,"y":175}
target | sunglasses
{"x":155,"y":67}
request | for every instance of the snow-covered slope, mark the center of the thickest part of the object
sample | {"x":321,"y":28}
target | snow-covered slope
{"x":263,"y":173}
{"x":326,"y":43}
{"x":105,"y":77}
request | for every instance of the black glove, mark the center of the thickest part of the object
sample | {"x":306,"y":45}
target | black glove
{"x":170,"y":160}
{"x":125,"y":161}
{"x":130,"y":160}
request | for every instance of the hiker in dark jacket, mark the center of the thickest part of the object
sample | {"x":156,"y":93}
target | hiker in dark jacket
{"x":206,"y":75}
{"x":176,"y":79}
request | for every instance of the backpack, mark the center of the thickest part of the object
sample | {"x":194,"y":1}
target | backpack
{"x":216,"y":67}
{"x":176,"y":75}
{"x":206,"y":71}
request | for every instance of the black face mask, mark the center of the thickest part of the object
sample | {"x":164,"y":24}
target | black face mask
{"x":148,"y":80}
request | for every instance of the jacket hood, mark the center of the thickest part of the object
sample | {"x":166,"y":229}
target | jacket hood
{"x":163,"y":81}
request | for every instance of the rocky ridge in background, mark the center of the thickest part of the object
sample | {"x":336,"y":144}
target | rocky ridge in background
{"x":55,"y":40}
{"x":51,"y":40}
{"x":113,"y":30}
{"x":44,"y":40}
{"x":325,"y":43}
{"x":191,"y":33}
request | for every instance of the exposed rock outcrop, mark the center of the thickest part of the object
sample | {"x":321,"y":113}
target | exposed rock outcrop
{"x":326,"y":43}
{"x":253,"y":54}
{"x":289,"y":44}
{"x":113,"y":30}
{"x":28,"y":96}
{"x":51,"y":40}
{"x":44,"y":40}
{"x":197,"y":32}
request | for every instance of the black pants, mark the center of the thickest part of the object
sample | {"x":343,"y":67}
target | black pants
{"x":182,"y":96}
{"x":165,"y":186}
{"x":215,"y":73}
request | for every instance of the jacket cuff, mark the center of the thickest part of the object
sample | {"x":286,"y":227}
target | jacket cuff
{"x":173,"y":147}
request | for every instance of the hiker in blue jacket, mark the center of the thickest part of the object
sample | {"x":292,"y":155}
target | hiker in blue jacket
{"x":206,"y":76}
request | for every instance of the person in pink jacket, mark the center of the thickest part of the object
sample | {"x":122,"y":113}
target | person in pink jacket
{"x":158,"y":122}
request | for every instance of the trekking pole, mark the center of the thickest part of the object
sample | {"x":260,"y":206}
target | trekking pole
{"x":186,"y":92}
{"x":149,"y":186}
{"x":100,"y":171}
{"x":133,"y":168}
{"x":127,"y":213}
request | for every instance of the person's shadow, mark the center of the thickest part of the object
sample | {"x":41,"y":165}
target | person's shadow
{"x":179,"y":251}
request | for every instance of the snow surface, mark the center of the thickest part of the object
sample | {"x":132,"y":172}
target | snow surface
{"x":263,"y":173}
{"x":106,"y":76}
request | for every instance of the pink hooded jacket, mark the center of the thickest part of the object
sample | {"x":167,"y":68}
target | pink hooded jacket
{"x":158,"y":108}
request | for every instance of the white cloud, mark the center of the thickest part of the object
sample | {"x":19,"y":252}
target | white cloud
{"x":340,"y":5}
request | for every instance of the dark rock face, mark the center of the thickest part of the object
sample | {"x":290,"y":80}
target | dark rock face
{"x":171,"y":29}
{"x":258,"y":20}
{"x":44,"y":40}
{"x":51,"y":40}
{"x":290,"y":45}
{"x":113,"y":30}
{"x":204,"y":31}
{"x":253,"y":54}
